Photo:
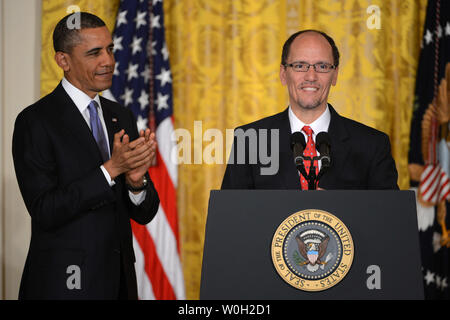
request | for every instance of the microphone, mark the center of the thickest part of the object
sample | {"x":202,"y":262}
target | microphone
{"x":298,"y":145}
{"x":323,"y":145}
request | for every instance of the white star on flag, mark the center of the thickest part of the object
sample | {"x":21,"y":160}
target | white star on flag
{"x":132,"y":71}
{"x":136,"y":45}
{"x":155,"y":22}
{"x":121,"y":18}
{"x":116,"y":69}
{"x":164,"y":77}
{"x":143,"y":99}
{"x":165,"y":52}
{"x":127,"y":96}
{"x":141,"y":123}
{"x":117,"y":43}
{"x":428,"y":37}
{"x":140,"y":19}
{"x":154,"y":43}
{"x":438,"y":281}
{"x":146,"y":73}
{"x":161,"y":101}
{"x":429,"y":277}
{"x":439,"y":31}
{"x":444,"y":284}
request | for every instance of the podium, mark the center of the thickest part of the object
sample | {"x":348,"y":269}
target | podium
{"x":245,"y":228}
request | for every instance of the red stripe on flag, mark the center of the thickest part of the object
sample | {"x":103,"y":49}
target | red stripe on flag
{"x":429,"y":171}
{"x":442,"y":187}
{"x":434,"y":173}
{"x":432,"y":170}
{"x":167,"y":194}
{"x":445,"y":196}
{"x":162,"y":289}
{"x":435,"y":187}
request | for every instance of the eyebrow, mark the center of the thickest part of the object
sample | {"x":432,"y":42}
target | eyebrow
{"x":301,"y":61}
{"x":94,"y":50}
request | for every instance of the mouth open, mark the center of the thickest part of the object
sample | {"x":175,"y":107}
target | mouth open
{"x":309,"y":88}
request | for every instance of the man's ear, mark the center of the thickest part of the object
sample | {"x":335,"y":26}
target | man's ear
{"x":62,"y":60}
{"x":283,"y":75}
{"x":334,"y":80}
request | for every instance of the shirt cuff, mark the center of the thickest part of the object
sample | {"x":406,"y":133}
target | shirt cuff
{"x":107,"y":176}
{"x":137,"y":199}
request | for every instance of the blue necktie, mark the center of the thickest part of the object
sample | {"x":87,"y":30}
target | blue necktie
{"x":97,"y":130}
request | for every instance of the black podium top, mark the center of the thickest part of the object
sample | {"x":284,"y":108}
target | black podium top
{"x":237,"y":260}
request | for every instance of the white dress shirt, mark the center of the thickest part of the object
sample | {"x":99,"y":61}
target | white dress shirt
{"x":82,"y":101}
{"x":321,"y":124}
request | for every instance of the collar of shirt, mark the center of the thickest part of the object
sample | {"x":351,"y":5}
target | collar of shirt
{"x":320,"y":124}
{"x":82,"y":101}
{"x":78,"y":97}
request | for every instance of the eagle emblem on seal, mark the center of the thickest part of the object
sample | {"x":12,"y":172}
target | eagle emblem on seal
{"x":312,"y":245}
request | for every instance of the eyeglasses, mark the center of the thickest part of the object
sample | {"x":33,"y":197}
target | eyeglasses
{"x":321,"y":67}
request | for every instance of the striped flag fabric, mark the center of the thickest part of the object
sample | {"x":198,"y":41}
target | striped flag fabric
{"x":142,"y":82}
{"x":434,"y":185}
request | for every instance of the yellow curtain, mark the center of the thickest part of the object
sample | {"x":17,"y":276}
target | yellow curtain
{"x":225,"y":59}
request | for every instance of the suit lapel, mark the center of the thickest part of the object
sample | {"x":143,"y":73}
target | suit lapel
{"x":111,"y":121}
{"x":72,"y":121}
{"x":288,"y":172}
{"x":339,"y":151}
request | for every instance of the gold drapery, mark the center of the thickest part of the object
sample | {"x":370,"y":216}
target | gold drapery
{"x":225,"y":58}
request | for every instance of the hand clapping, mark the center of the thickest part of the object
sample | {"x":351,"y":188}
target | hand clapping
{"x":133,"y":158}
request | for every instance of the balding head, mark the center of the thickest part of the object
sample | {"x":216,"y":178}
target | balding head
{"x":288,"y":43}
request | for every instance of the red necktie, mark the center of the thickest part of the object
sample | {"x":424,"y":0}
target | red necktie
{"x":310,"y":151}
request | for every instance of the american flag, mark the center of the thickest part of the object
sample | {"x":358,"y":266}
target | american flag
{"x":142,"y":82}
{"x":429,"y":152}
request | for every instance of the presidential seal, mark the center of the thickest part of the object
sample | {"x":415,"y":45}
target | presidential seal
{"x":312,"y":250}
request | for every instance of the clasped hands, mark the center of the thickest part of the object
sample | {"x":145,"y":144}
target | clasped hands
{"x":132,"y":158}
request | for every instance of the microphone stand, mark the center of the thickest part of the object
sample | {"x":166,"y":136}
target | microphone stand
{"x":312,"y":177}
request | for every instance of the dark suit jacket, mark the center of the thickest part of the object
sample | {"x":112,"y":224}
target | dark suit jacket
{"x":361,"y":158}
{"x":77,"y":218}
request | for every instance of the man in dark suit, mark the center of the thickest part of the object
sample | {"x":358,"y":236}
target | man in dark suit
{"x":82,"y":168}
{"x":360,"y":156}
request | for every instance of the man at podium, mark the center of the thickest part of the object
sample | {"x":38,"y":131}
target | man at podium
{"x":310,"y":145}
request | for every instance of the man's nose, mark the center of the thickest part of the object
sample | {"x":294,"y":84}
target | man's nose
{"x":311,"y":74}
{"x":108,"y":59}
